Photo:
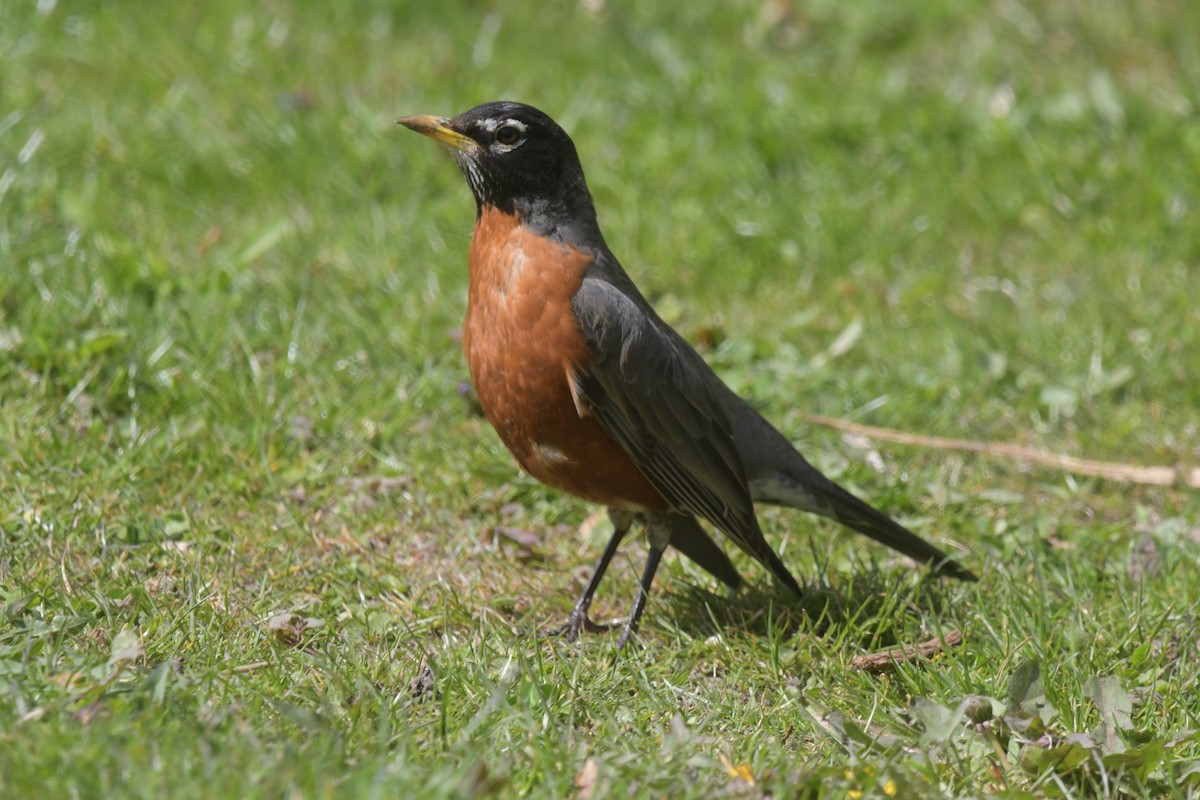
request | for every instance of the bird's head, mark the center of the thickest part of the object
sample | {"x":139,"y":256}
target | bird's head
{"x":516,"y":159}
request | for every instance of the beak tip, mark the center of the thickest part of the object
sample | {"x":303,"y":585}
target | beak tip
{"x":439,"y":129}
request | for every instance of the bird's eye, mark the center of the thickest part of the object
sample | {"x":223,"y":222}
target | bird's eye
{"x":509,"y":135}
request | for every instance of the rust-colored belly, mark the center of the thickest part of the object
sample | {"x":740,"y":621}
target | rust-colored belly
{"x":521,"y":341}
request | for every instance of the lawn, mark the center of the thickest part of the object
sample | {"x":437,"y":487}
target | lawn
{"x":256,"y":539}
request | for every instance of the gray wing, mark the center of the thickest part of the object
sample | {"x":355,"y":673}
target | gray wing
{"x":645,"y":390}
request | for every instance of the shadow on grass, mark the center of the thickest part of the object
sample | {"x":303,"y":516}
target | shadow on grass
{"x":873,"y":610}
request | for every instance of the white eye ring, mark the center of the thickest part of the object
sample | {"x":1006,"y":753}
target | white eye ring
{"x":509,"y":134}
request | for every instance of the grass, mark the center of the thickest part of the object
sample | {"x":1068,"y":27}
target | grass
{"x":247,"y":516}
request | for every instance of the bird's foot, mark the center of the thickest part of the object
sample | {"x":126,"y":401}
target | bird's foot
{"x":578,"y":621}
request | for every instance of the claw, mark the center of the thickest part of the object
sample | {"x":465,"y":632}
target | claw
{"x":578,"y":621}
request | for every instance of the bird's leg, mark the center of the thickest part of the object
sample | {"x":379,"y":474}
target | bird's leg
{"x":578,"y":620}
{"x":659,"y":535}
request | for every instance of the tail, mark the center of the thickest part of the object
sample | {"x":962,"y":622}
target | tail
{"x":694,"y":542}
{"x":778,"y":474}
{"x":870,"y":521}
{"x":807,"y":489}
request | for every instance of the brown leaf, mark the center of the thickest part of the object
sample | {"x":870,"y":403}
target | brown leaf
{"x":585,"y":781}
{"x":297,"y":494}
{"x":526,"y":542}
{"x":424,"y":686}
{"x":67,"y":680}
{"x":289,"y":629}
{"x":376,"y":484}
{"x":87,"y":713}
{"x":32,"y":715}
{"x":210,"y":240}
{"x":520,"y":536}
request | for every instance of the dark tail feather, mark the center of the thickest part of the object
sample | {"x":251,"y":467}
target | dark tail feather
{"x":694,"y":542}
{"x":753,"y":543}
{"x":774,"y":563}
{"x":858,"y":515}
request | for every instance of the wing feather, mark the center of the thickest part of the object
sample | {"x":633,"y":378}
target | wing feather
{"x":644,"y":388}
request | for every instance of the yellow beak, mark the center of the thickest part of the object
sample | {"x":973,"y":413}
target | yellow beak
{"x":438,"y":129}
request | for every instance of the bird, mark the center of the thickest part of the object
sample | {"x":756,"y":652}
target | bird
{"x":595,"y":395}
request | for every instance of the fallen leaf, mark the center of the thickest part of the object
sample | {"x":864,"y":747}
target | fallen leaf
{"x":290,"y":628}
{"x":67,"y":680}
{"x":1027,"y":692}
{"x":375,"y":484}
{"x":126,"y":646}
{"x":1062,"y":756}
{"x":87,"y":713}
{"x":32,"y":715}
{"x":940,"y":723}
{"x":520,"y":536}
{"x":15,"y":608}
{"x":585,"y":781}
{"x":210,"y":239}
{"x":526,"y":541}
{"x":1115,"y":707}
{"x":297,"y":494}
{"x":424,"y":686}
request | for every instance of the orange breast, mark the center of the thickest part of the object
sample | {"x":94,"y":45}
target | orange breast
{"x":521,"y":341}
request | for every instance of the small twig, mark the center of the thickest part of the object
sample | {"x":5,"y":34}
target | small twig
{"x":1128,"y":473}
{"x":251,"y":667}
{"x":888,"y":660}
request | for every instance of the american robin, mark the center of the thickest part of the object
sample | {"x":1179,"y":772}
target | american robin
{"x":594,"y":394}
